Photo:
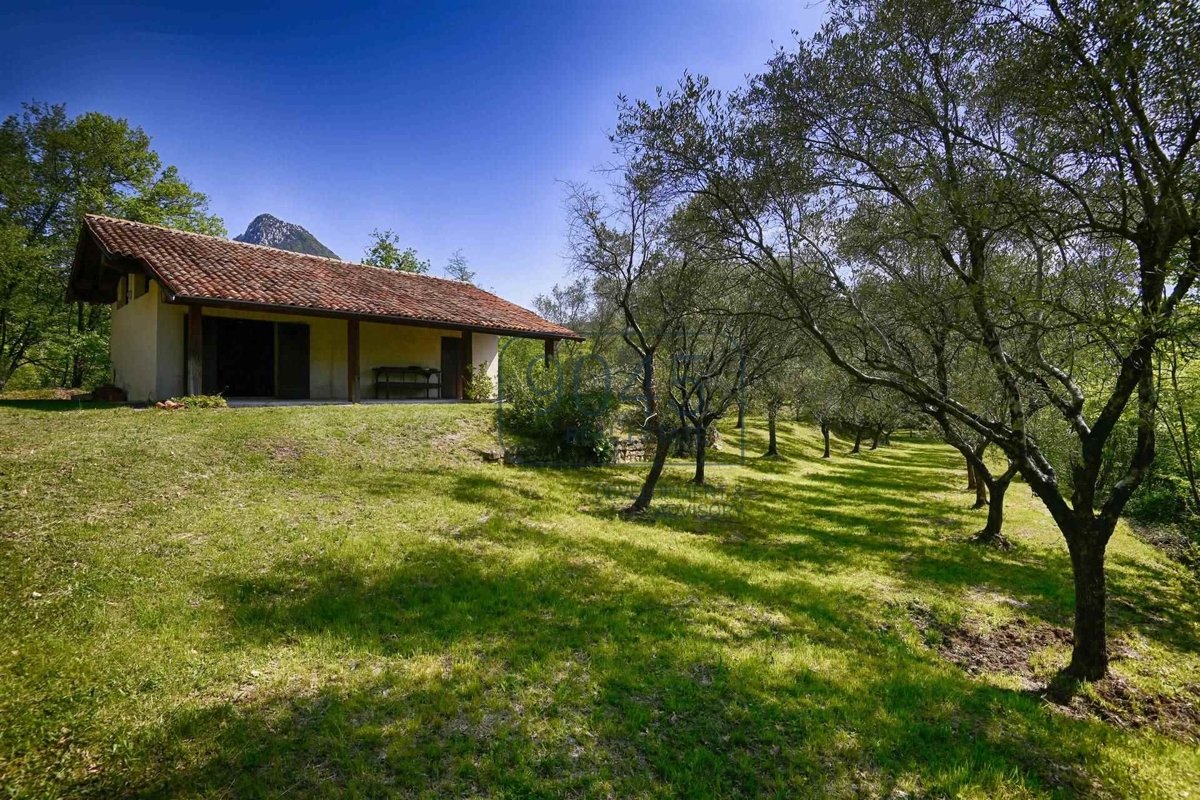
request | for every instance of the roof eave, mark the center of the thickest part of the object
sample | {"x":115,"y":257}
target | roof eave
{"x":303,"y":311}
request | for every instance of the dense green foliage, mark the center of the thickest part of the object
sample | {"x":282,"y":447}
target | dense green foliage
{"x":312,"y":601}
{"x":53,"y":170}
{"x":479,"y":387}
{"x":562,"y":410}
{"x":385,"y":251}
{"x":1170,"y":495}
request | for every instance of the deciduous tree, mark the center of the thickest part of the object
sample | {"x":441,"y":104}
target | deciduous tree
{"x":53,"y":170}
{"x":385,"y":251}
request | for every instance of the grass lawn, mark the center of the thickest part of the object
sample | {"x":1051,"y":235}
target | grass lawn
{"x":301,"y":601}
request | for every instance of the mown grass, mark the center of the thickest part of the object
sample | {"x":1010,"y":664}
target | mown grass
{"x":303,"y":601}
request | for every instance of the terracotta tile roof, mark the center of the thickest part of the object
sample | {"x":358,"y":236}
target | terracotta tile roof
{"x":194,"y":267}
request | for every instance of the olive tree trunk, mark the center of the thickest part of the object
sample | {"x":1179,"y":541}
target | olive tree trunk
{"x":1089,"y":657}
{"x":701,"y":452}
{"x":662,"y":448}
{"x":772,"y":419}
{"x":993,"y":530}
{"x":981,"y":491}
{"x":662,"y":436}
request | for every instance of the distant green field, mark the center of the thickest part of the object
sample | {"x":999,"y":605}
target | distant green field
{"x":306,"y":601}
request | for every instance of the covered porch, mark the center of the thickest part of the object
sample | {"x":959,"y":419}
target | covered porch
{"x":264,"y":358}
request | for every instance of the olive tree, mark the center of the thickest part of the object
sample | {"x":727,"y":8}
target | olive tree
{"x":1046,"y":153}
{"x":622,"y":243}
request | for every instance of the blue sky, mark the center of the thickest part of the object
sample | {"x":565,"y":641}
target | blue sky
{"x":451,"y":123}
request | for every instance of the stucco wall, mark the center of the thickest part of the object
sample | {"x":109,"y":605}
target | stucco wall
{"x":383,"y":345}
{"x":172,"y":372}
{"x":485,"y":350}
{"x":148,"y":349}
{"x":133,"y":346}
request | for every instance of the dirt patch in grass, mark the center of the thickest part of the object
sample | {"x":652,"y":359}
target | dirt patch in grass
{"x":1013,"y":648}
{"x":1007,"y":648}
{"x":1118,"y":702}
{"x":281,"y":450}
{"x":451,"y":442}
{"x":1173,"y":539}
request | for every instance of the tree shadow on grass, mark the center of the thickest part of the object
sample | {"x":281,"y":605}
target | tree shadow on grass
{"x":883,"y":505}
{"x":563,"y":676}
{"x":881,"y":508}
{"x":521,"y":659}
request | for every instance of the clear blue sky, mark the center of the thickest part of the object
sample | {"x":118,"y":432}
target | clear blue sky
{"x":453,"y":124}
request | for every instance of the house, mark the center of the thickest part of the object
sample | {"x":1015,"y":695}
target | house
{"x":195,"y":314}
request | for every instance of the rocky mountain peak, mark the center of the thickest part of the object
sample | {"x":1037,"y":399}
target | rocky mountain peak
{"x":271,"y":231}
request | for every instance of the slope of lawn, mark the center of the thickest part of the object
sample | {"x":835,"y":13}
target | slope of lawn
{"x":302,"y":601}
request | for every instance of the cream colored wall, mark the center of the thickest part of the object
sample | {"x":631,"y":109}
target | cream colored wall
{"x":383,"y":345}
{"x":148,"y":343}
{"x":172,"y":372}
{"x":133,"y":346}
{"x":485,"y":350}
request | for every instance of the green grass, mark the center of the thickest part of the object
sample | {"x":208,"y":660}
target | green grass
{"x":304,"y":601}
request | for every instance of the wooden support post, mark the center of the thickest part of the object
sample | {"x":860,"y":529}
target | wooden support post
{"x":550,"y":350}
{"x":466,"y":367}
{"x":352,"y":364}
{"x":195,"y":350}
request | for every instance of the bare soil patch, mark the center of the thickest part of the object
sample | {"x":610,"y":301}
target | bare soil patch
{"x":1010,"y":649}
{"x":1173,"y":539}
{"x":1007,"y":648}
{"x":1118,"y":702}
{"x":279,"y":449}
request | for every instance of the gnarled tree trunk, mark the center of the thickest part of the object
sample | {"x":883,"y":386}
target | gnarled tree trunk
{"x":662,"y":436}
{"x":701,"y":452}
{"x":993,"y":529}
{"x":981,"y":491}
{"x":1089,"y":656}
{"x":825,"y":436}
{"x":772,"y":443}
{"x":983,"y":478}
{"x":662,"y":448}
{"x":683,"y":436}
